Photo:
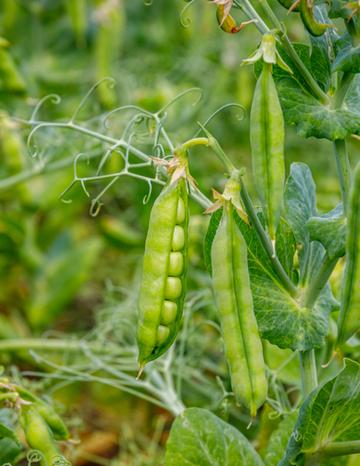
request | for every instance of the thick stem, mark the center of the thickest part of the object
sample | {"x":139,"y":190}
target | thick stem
{"x":350,"y":447}
{"x":266,"y":242}
{"x":308,"y":372}
{"x":343,"y":169}
{"x":43,"y":344}
{"x":319,"y":281}
{"x":311,"y":82}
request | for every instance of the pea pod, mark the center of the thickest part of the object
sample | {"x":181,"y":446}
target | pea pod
{"x":77,"y":10}
{"x":164,"y":269}
{"x":10,"y":78}
{"x":349,"y":318}
{"x":47,"y":412}
{"x":315,"y":28}
{"x":233,"y":297}
{"x":267,"y":147}
{"x":107,"y":47}
{"x":38,"y":435}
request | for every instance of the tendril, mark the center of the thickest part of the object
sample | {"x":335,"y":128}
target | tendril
{"x":53,"y":98}
{"x":181,"y":95}
{"x":111,"y":83}
{"x":219,"y":110}
{"x":186,"y":21}
{"x":147,"y":197}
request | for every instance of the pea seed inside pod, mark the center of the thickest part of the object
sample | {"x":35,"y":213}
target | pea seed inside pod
{"x":173,"y":288}
{"x":162,"y":334}
{"x":176,"y":264}
{"x":180,"y":213}
{"x":178,"y":240}
{"x":168,"y":312}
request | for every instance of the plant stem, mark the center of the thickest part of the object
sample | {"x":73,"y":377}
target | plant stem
{"x":343,"y":169}
{"x":350,"y":447}
{"x":319,"y":281}
{"x":311,"y":82}
{"x":308,"y":371}
{"x":266,"y":242}
{"x":44,"y":344}
{"x":41,"y":169}
{"x":195,"y":193}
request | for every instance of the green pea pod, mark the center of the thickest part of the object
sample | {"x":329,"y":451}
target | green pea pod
{"x":349,"y":318}
{"x":267,"y":147}
{"x":233,"y":297}
{"x":38,"y":435}
{"x":77,"y":10}
{"x":107,"y":45}
{"x":47,"y":412}
{"x":10,"y":78}
{"x":164,"y":270}
{"x":307,"y":15}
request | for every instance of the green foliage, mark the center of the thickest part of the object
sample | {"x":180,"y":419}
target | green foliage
{"x":200,"y":438}
{"x":329,"y":414}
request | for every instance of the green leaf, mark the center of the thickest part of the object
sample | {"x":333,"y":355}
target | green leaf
{"x":10,"y":446}
{"x":282,"y":320}
{"x":299,"y":207}
{"x":339,"y":9}
{"x":329,"y":414}
{"x":209,"y":237}
{"x":279,"y":439}
{"x":65,"y":268}
{"x":284,"y":363}
{"x":312,"y":118}
{"x":348,"y":60}
{"x":199,"y":438}
{"x":330,"y":231}
{"x":285,"y":246}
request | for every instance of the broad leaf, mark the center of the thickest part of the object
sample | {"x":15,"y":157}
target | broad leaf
{"x":312,"y":118}
{"x":10,"y":446}
{"x":348,"y":60}
{"x":299,"y":207}
{"x":285,"y":246}
{"x":199,"y":438}
{"x":329,"y":414}
{"x":301,"y":109}
{"x":279,"y":439}
{"x":330,"y":231}
{"x":281,"y":319}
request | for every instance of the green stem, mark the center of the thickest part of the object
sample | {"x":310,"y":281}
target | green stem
{"x":350,"y":447}
{"x":266,"y":242}
{"x":311,"y":82}
{"x":195,"y":192}
{"x":38,"y":170}
{"x":308,"y":372}
{"x":43,"y":344}
{"x":319,"y":281}
{"x":343,"y":169}
{"x":215,"y":146}
{"x":194,"y":142}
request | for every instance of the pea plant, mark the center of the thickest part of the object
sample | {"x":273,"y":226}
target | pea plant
{"x":270,"y":257}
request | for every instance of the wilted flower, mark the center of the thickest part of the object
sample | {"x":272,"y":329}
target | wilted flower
{"x":227,"y":4}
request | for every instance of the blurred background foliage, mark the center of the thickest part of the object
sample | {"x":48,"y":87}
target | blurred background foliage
{"x":66,"y":272}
